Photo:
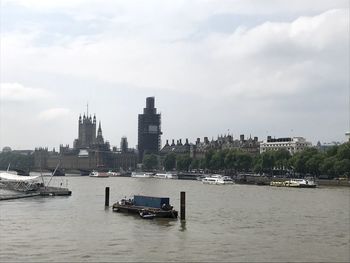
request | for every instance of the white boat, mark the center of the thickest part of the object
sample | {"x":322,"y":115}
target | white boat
{"x":217,"y":179}
{"x":166,"y":176}
{"x":113,"y":174}
{"x":302,"y":183}
{"x":98,"y":174}
{"x":142,"y":175}
{"x":298,"y":183}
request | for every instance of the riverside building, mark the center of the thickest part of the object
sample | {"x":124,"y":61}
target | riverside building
{"x":90,"y":151}
{"x":293,"y":145}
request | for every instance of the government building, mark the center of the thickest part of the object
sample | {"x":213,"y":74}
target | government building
{"x":90,"y":151}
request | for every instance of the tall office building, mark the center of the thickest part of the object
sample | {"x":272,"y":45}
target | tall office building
{"x":149,"y":130}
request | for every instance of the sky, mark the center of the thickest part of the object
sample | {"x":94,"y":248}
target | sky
{"x":252,"y":67}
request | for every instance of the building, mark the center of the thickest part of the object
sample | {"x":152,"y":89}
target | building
{"x":348,"y":136}
{"x":323,"y":147}
{"x":198,"y":149}
{"x":249,"y":145}
{"x":86,"y":132}
{"x":149,"y":130}
{"x":293,"y":145}
{"x":90,"y":151}
{"x":179,"y":148}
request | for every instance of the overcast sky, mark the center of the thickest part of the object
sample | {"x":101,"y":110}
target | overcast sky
{"x":258,"y":67}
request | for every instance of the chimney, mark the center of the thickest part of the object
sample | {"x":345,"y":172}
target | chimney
{"x":241,"y":137}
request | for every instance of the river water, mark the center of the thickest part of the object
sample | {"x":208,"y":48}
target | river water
{"x":233,"y":223}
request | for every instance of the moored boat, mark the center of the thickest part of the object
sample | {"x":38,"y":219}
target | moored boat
{"x":167,"y":175}
{"x":217,"y":179}
{"x":297,"y":183}
{"x":146,"y":206}
{"x":142,"y":174}
{"x":98,"y":174}
{"x":113,"y":174}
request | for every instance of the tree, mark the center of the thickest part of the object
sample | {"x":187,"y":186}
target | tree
{"x":313,"y":164}
{"x":183,"y":162}
{"x":342,"y":167}
{"x":150,"y":161}
{"x":327,"y":167}
{"x":16,"y":161}
{"x":230,"y":160}
{"x":267,"y":161}
{"x":244,"y":161}
{"x":282,"y":157}
{"x":169,"y":162}
{"x":217,"y":161}
{"x":195,"y":164}
{"x":207,"y":158}
{"x":343,"y":152}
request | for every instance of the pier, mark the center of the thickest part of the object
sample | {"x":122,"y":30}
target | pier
{"x":18,"y":196}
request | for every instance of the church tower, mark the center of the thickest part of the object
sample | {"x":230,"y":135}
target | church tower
{"x":86,"y":131}
{"x":99,"y":138}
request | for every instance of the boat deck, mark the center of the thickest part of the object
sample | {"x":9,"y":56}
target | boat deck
{"x":160,"y":213}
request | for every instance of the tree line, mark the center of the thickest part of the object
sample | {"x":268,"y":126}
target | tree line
{"x":16,"y":161}
{"x":333,"y":162}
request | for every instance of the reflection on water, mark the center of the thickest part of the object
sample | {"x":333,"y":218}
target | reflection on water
{"x":182,"y":225}
{"x":223,"y":223}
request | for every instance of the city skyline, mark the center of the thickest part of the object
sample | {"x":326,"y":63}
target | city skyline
{"x":216,"y":67}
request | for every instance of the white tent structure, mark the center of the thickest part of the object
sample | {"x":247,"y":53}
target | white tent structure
{"x":19,"y":183}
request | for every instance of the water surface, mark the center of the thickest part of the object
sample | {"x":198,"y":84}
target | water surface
{"x":242,"y":223}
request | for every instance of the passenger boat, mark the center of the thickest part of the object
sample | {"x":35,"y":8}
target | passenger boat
{"x":98,"y":174}
{"x":146,"y":206}
{"x":113,"y":174}
{"x":166,"y":175}
{"x":217,"y":179}
{"x":142,"y":175}
{"x":297,"y":183}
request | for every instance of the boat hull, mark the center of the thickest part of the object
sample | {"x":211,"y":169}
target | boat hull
{"x":157,"y":212}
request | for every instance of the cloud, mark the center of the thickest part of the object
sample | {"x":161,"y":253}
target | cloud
{"x":18,"y":92}
{"x":289,"y":59}
{"x":53,"y":114}
{"x":270,"y":57}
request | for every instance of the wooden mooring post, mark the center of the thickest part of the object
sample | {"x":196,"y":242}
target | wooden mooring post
{"x":183,"y":206}
{"x":107,"y":196}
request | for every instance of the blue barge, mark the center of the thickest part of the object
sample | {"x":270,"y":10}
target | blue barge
{"x":146,"y":207}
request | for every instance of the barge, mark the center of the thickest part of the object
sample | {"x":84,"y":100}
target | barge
{"x":146,"y":206}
